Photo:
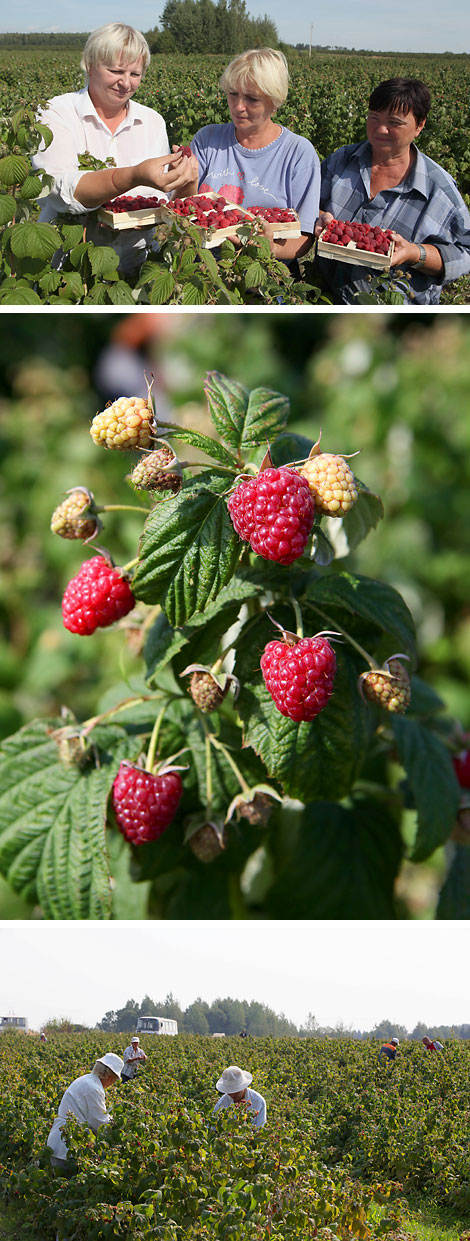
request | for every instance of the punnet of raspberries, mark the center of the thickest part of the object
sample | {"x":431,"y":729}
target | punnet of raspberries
{"x":135,"y":202}
{"x":367,"y":237}
{"x":274,"y":513}
{"x":299,"y":676}
{"x":332,"y":484}
{"x":388,"y":687}
{"x":96,"y":597}
{"x":153,"y":472}
{"x":75,"y":518}
{"x":127,"y":423}
{"x":144,"y":804}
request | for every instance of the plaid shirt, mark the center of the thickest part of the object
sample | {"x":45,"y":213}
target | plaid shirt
{"x":425,"y":207}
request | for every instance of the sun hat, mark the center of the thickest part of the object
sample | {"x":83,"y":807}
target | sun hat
{"x":233,"y":1079}
{"x":113,"y":1062}
{"x":135,"y":1038}
{"x":396,"y":1041}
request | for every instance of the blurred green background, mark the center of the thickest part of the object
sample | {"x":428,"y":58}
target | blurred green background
{"x":394,"y":385}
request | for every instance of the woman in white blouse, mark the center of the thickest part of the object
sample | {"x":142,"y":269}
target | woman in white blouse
{"x":85,"y":1099}
{"x":104,"y":121}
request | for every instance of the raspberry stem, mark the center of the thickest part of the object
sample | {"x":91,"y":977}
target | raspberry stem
{"x":150,"y":760}
{"x":90,"y":724}
{"x":365,"y":654}
{"x":298,"y":617}
{"x":219,"y":745}
{"x":208,"y":774}
{"x":122,"y":508}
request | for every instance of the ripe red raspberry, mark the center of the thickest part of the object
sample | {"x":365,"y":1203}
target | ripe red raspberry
{"x":145,"y":804}
{"x":96,"y":597}
{"x":299,"y":676}
{"x":462,"y":768}
{"x":274,"y":513}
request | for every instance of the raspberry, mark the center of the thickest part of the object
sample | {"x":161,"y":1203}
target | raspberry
{"x":96,"y":597}
{"x":462,"y":768}
{"x":299,"y":676}
{"x":392,"y":692}
{"x":74,"y":518}
{"x":145,"y":804}
{"x":127,"y":423}
{"x":208,"y":842}
{"x":205,"y":692}
{"x":152,"y":474}
{"x":273,"y":513}
{"x":332,"y":484}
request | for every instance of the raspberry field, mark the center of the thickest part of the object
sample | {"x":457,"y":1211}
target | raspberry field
{"x":327,"y":103}
{"x":351,"y":1148}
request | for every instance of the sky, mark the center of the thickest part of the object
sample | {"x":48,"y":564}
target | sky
{"x":356,"y":973}
{"x":423,"y":26}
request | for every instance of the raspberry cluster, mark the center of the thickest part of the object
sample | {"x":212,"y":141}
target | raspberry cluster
{"x":206,"y":212}
{"x":366,"y":237}
{"x":96,"y":597}
{"x":299,"y":677}
{"x":332,"y":484}
{"x":274,"y":513}
{"x":144,"y":804}
{"x":127,"y":202}
{"x":127,"y":423}
{"x":274,"y":215}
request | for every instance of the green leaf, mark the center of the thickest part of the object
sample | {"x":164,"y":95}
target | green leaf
{"x":50,"y":282}
{"x":33,"y":240}
{"x":311,"y":759}
{"x":189,"y":550}
{"x":211,"y":263}
{"x":164,"y":643}
{"x":120,"y":293}
{"x":205,"y":444}
{"x":193,"y":294}
{"x":72,"y":235}
{"x":13,"y":169}
{"x":343,"y":864}
{"x":74,"y":286}
{"x":244,"y":419}
{"x":7,"y":208}
{"x":52,"y":822}
{"x":103,"y":260}
{"x":430,"y":773}
{"x":322,"y":552}
{"x":373,"y":601}
{"x":254,"y":275}
{"x":290,"y":447}
{"x":454,"y":900}
{"x":364,"y":515}
{"x":31,"y":187}
{"x":161,"y":288}
{"x":20,"y":295}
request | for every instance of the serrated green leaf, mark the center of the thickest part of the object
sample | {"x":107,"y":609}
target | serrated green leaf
{"x":205,"y":444}
{"x":430,"y":773}
{"x":372,"y":600}
{"x":290,"y":447}
{"x":50,"y":282}
{"x":364,"y":515}
{"x":72,"y":235}
{"x":20,"y":295}
{"x":52,"y":822}
{"x":33,"y":240}
{"x":73,"y":284}
{"x":207,"y":258}
{"x":31,"y":187}
{"x":103,"y":260}
{"x":120,"y":293}
{"x":189,"y":550}
{"x":254,"y":275}
{"x":164,"y":643}
{"x":244,"y":419}
{"x":193,"y":294}
{"x":454,"y":900}
{"x":161,"y":288}
{"x":7,"y":208}
{"x":13,"y":169}
{"x":309,"y":760}
{"x":343,"y":865}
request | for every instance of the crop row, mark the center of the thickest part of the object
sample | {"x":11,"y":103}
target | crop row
{"x":346,"y":1136}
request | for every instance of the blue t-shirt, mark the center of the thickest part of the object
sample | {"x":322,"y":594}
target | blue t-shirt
{"x":284,"y":174}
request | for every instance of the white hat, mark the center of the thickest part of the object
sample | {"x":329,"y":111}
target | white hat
{"x":135,"y":1038}
{"x":112,"y":1062}
{"x":233,"y":1079}
{"x":396,"y":1041}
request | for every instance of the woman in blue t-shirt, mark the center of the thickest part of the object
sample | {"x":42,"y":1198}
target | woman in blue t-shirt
{"x":254,"y":161}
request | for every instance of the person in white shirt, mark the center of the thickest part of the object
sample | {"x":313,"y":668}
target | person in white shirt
{"x":132,"y":1056}
{"x":85,"y":1099}
{"x":234,"y":1085}
{"x":103,"y":120}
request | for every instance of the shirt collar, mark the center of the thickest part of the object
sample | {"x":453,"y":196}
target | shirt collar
{"x":416,"y":179}
{"x":86,"y":108}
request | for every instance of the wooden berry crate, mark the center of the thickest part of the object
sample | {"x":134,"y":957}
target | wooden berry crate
{"x":286,"y":228}
{"x":352,"y":254}
{"x":143,"y":218}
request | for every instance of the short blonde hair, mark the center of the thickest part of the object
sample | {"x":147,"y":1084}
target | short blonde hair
{"x":114,"y":42}
{"x":263,"y":66}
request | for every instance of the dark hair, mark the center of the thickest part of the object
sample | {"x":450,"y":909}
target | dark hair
{"x":401,"y":95}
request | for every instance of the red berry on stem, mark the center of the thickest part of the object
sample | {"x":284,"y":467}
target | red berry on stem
{"x":96,"y":597}
{"x":274,"y":513}
{"x":462,"y":768}
{"x":144,"y":804}
{"x":299,"y":676}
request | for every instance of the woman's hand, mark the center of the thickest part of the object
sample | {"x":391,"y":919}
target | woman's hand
{"x":324,"y":218}
{"x":180,"y":171}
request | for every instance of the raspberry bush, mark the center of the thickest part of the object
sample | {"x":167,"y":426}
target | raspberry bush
{"x":266,"y":686}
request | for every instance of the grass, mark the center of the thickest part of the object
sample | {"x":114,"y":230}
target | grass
{"x":433,"y":1223}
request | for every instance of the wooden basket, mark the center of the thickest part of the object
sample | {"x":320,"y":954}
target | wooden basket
{"x":352,"y":254}
{"x":142,"y":218}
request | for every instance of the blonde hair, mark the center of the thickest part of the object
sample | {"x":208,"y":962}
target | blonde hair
{"x":263,"y":66}
{"x":114,"y":42}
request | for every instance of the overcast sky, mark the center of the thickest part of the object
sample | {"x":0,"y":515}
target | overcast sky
{"x":424,"y":25}
{"x":358,"y":973}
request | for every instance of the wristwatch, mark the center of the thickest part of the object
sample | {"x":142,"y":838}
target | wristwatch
{"x":422,"y":255}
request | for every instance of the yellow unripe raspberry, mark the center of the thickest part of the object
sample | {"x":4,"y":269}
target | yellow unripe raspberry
{"x":75,"y":518}
{"x":126,"y":424}
{"x":388,"y":687}
{"x":332,"y":484}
